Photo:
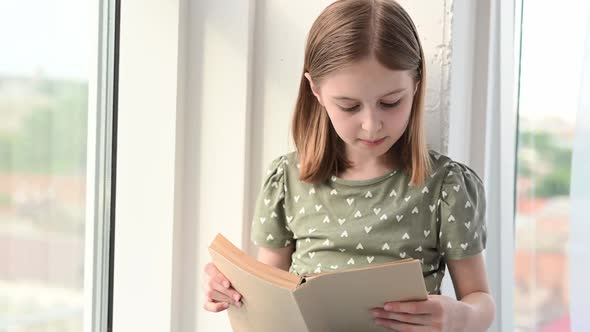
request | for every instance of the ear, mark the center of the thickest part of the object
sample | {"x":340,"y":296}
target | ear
{"x":314,"y":88}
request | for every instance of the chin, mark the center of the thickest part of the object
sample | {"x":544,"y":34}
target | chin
{"x":374,"y":152}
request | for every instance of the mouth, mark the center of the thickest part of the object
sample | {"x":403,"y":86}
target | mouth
{"x":373,"y":142}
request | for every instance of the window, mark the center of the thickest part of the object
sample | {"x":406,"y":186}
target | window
{"x":48,"y":93}
{"x":555,"y":51}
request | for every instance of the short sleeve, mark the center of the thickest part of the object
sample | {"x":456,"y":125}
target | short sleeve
{"x":462,"y":207}
{"x":269,"y":227}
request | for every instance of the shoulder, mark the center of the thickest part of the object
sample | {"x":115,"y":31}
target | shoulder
{"x":283,"y":163}
{"x":444,"y":167}
{"x":282,"y":167}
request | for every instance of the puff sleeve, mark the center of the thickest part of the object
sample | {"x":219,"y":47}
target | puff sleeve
{"x":269,"y":227}
{"x":462,"y":208}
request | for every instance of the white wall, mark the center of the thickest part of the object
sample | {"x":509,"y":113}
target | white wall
{"x":206,"y":96}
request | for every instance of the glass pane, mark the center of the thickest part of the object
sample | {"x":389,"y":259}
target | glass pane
{"x":579,"y":251}
{"x":552,"y":60}
{"x":43,"y":115}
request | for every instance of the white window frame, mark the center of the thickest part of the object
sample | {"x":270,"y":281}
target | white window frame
{"x":148,"y":211}
{"x":99,"y":163}
{"x":483,"y":108}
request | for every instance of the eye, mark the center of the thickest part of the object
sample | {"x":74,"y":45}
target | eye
{"x":390,"y":105}
{"x":349,"y":109}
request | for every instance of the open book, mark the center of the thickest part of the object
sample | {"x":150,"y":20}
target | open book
{"x":276,"y":300}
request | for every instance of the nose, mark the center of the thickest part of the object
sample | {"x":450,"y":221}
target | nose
{"x":371,"y":122}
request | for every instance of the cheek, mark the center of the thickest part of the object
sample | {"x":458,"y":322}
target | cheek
{"x":341,"y":122}
{"x":398,"y":120}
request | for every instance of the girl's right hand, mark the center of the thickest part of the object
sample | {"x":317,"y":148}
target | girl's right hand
{"x":218,"y":291}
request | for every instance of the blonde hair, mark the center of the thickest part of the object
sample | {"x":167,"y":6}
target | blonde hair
{"x":345,"y":32}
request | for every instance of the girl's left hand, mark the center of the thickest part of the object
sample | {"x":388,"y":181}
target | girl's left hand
{"x":437,"y":313}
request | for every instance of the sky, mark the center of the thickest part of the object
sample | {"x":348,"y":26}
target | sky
{"x":553,"y":47}
{"x":48,"y":35}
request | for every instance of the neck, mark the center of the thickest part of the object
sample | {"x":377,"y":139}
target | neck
{"x":368,"y":168}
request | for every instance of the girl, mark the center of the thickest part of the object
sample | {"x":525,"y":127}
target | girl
{"x":362,"y":188}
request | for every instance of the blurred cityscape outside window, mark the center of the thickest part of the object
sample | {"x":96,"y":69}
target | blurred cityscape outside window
{"x":43,"y":118}
{"x":554,"y":52}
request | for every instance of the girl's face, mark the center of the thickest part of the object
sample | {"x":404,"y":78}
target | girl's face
{"x":369,"y":106}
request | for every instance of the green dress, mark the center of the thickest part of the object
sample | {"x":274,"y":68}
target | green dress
{"x":344,"y":224}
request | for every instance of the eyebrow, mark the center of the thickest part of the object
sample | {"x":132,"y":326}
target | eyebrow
{"x":385,"y":95}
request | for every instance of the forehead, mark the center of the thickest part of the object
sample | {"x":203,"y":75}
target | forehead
{"x":365,"y":79}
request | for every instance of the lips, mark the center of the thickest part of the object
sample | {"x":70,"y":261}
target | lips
{"x":373,"y":142}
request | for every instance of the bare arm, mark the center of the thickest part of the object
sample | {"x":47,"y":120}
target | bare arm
{"x":277,"y":257}
{"x":471,"y":287}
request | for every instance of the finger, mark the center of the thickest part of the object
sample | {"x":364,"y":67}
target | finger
{"x":413,"y":307}
{"x":219,"y":282}
{"x":215,"y":296}
{"x":215,"y":306}
{"x":399,"y":326}
{"x":417,"y":319}
{"x":211,"y":269}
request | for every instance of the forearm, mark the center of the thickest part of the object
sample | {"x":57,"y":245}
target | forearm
{"x":479,"y":312}
{"x":277,"y":257}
